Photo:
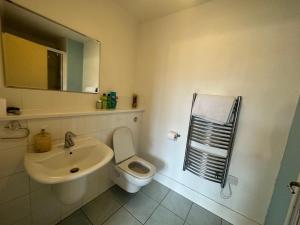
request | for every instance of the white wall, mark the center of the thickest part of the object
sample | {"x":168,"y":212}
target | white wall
{"x":249,"y":48}
{"x":24,"y":201}
{"x":102,"y":20}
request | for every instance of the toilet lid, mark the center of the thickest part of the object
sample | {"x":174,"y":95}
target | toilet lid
{"x":123,"y":144}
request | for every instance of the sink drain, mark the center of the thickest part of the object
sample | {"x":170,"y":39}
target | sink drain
{"x":74,"y":170}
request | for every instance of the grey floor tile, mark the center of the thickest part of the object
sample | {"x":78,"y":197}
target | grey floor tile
{"x":141,"y":206}
{"x":122,"y":217}
{"x":200,"y":216}
{"x":224,"y":222}
{"x":177,"y":204}
{"x":76,"y":218}
{"x":120,"y":195}
{"x":163,"y":216}
{"x":101,"y":208}
{"x":155,"y":190}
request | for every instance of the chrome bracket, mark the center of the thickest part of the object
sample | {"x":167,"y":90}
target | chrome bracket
{"x":292,"y":185}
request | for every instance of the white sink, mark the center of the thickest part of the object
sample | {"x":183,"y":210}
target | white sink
{"x":55,"y":166}
{"x":67,"y":168}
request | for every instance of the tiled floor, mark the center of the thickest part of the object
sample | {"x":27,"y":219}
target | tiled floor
{"x":155,"y":204}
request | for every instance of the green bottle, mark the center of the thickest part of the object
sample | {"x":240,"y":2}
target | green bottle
{"x":113,"y":96}
{"x":109,"y":101}
{"x":104,"y":101}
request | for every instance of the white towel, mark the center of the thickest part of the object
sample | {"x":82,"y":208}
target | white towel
{"x":217,"y":109}
{"x":211,"y":150}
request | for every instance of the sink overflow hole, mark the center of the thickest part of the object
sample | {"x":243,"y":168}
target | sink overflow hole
{"x":74,"y":170}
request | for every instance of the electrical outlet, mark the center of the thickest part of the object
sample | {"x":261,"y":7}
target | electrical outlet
{"x":233,"y":180}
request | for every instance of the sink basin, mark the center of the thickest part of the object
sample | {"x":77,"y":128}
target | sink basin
{"x":63,"y":165}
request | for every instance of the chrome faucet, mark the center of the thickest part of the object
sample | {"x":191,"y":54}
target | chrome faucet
{"x":69,"y":142}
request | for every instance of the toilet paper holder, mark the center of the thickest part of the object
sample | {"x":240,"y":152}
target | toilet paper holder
{"x":173,"y":135}
{"x":177,"y":135}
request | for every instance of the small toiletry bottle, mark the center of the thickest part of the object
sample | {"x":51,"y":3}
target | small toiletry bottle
{"x":113,"y":95}
{"x":108,"y":101}
{"x":42,"y":141}
{"x":134,"y":101}
{"x":99,"y":104}
{"x":104,"y":101}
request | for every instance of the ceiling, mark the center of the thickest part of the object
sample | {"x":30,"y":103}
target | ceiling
{"x":145,"y":10}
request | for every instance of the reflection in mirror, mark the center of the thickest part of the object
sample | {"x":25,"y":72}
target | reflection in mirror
{"x":41,"y":54}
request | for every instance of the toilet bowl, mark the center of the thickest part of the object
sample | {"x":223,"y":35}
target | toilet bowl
{"x":130,"y":171}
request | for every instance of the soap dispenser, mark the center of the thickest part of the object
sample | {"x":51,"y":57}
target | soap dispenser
{"x":42,"y":141}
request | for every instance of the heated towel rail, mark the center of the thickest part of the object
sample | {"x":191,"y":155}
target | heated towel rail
{"x":211,"y":166}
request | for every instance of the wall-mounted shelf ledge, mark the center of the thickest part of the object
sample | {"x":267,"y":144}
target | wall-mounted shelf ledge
{"x":31,"y":116}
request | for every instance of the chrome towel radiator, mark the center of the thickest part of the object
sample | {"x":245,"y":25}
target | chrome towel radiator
{"x":202,"y":163}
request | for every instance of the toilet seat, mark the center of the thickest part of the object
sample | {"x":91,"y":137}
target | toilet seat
{"x":125,"y":166}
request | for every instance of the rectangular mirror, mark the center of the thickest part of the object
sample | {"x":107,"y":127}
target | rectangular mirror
{"x":41,"y":54}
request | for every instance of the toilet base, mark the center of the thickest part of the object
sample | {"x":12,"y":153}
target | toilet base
{"x":128,"y":182}
{"x":130,"y":188}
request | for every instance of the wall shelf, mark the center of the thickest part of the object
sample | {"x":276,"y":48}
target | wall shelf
{"x":31,"y":116}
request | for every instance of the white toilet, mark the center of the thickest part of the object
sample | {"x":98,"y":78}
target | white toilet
{"x":130,"y":171}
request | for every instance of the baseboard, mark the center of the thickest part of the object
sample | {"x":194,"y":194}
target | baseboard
{"x":212,"y":206}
